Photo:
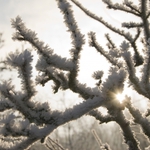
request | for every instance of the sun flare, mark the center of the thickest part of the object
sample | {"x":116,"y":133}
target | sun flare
{"x":120,"y":97}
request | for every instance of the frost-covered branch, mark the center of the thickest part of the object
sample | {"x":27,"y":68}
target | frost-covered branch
{"x":100,"y":117}
{"x":25,"y":120}
{"x":111,"y":45}
{"x":77,"y":40}
{"x":35,"y":133}
{"x":144,"y":9}
{"x":128,"y":134}
{"x":127,"y":35}
{"x":132,"y":25}
{"x":22,"y":62}
{"x":139,"y":118}
{"x":127,"y":7}
{"x":5,"y":104}
{"x":131,"y":70}
{"x":24,"y":34}
{"x":93,"y":43}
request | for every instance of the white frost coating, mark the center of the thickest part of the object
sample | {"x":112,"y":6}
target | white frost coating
{"x":77,"y":37}
{"x":98,"y":75}
{"x":61,"y":62}
{"x":34,"y":130}
{"x":78,"y":110}
{"x":36,"y":120}
{"x":17,"y":23}
{"x":17,"y":125}
{"x":20,"y":59}
{"x":114,"y":53}
{"x":114,"y":82}
{"x":63,"y":6}
{"x":44,"y":50}
{"x":127,"y":2}
{"x":6,"y":86}
{"x":124,"y":46}
{"x":127,"y":56}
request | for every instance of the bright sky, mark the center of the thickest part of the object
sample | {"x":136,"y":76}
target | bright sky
{"x":45,"y":18}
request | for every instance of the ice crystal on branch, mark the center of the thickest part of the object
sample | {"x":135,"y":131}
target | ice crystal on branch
{"x":124,"y":46}
{"x":98,"y":75}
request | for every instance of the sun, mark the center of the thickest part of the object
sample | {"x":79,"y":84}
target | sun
{"x":120,"y":97}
